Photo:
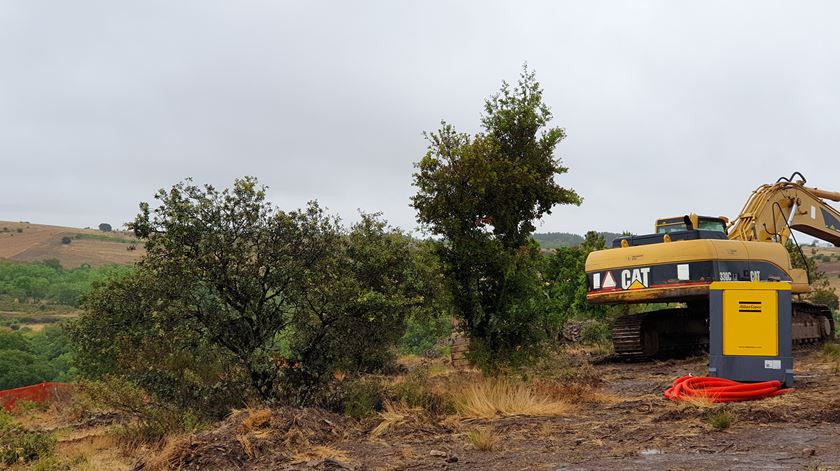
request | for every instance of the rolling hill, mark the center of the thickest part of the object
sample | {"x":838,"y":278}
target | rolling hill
{"x":26,"y":242}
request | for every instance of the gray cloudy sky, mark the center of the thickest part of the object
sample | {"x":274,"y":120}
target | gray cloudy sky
{"x":669,"y":106}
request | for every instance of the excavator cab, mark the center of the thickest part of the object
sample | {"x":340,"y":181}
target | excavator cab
{"x":691,"y":222}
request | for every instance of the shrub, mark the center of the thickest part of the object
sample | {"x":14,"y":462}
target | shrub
{"x":152,"y":420}
{"x":595,"y":331}
{"x":274,"y":302}
{"x":417,"y":390}
{"x":105,"y":227}
{"x":19,"y":230}
{"x":362,"y":398}
{"x":20,"y":445}
{"x":66,"y":240}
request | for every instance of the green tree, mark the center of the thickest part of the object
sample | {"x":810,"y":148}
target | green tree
{"x":565,"y":277}
{"x":276,"y":301}
{"x":482,"y":194}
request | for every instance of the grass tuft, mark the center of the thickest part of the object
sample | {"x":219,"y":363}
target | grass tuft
{"x":394,"y":414}
{"x":486,"y":398}
{"x":483,"y":439}
{"x":721,"y":419}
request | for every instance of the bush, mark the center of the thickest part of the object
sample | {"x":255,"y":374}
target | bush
{"x":105,"y":227}
{"x":20,"y":445}
{"x":66,"y":240}
{"x":362,"y":398}
{"x":152,"y":420}
{"x":595,"y":331}
{"x":418,"y":390}
{"x":422,"y":334}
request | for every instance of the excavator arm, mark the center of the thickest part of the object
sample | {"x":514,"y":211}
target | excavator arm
{"x":773,"y":210}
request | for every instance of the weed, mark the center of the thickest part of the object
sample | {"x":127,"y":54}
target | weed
{"x":721,"y":419}
{"x":487,"y":398}
{"x":483,"y":439}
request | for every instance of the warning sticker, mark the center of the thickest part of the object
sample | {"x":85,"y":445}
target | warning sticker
{"x":609,"y":281}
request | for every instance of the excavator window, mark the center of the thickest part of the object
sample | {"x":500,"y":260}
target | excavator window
{"x":665,"y":226}
{"x":712,"y":225}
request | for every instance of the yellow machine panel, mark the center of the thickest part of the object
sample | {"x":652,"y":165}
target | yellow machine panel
{"x":750,"y":322}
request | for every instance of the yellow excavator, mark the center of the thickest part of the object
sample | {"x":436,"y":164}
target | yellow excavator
{"x":678,"y":262}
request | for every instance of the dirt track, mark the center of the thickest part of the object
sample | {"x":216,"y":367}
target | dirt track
{"x":631,"y":427}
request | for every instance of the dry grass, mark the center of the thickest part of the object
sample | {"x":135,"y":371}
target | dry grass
{"x":394,"y":414}
{"x":483,"y":439}
{"x":256,"y":418}
{"x":487,"y":398}
{"x":254,"y":421}
{"x":92,"y":450}
{"x":699,"y":402}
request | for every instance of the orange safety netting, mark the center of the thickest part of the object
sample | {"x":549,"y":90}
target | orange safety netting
{"x":722,"y":390}
{"x":43,"y":392}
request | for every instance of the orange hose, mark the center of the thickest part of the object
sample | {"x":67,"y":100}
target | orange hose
{"x":722,"y":390}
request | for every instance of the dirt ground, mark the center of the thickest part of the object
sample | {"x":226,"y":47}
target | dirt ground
{"x":630,"y":426}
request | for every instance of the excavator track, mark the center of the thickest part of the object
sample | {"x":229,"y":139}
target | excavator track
{"x":682,"y":331}
{"x":812,"y":323}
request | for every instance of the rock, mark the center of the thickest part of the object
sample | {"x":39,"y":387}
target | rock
{"x":806,"y":452}
{"x":650,"y":451}
{"x":441,"y":454}
{"x":452,"y":459}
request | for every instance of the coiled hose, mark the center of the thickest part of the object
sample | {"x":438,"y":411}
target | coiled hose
{"x":722,"y":390}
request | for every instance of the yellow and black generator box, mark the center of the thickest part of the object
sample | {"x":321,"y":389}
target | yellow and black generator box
{"x":750,"y":331}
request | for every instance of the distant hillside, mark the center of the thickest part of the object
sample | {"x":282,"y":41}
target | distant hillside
{"x":26,"y":242}
{"x":552,"y":240}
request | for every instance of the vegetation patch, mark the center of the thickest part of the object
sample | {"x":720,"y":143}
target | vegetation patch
{"x":19,"y":445}
{"x":493,"y":397}
{"x":721,"y":418}
{"x":483,"y":439}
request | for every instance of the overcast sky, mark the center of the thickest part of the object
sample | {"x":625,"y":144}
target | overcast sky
{"x":670,"y":107}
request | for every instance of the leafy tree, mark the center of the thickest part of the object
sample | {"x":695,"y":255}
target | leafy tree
{"x":482,"y":194}
{"x":30,"y":360}
{"x":105,"y":227}
{"x":277,"y":300}
{"x":565,"y":275}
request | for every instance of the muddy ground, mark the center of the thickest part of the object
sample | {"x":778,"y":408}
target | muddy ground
{"x":630,"y":426}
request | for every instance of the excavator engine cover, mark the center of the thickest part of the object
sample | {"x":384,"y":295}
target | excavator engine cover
{"x":750,"y":331}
